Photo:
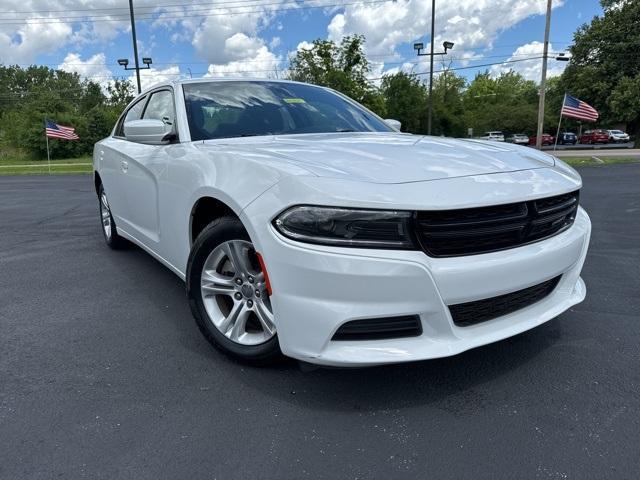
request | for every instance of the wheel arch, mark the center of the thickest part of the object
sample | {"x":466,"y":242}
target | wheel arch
{"x":97,"y":181}
{"x":205,"y":210}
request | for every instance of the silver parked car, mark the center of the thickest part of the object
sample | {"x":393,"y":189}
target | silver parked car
{"x":618,"y":136}
{"x":518,"y":139}
{"x":493,"y":136}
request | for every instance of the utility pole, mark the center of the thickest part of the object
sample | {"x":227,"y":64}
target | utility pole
{"x":418,"y":47}
{"x":135,"y":44}
{"x":147,"y":61}
{"x":433,"y":29}
{"x":543,"y":80}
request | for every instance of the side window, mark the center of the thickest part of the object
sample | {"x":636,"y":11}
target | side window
{"x":160,"y":107}
{"x":134,"y":113}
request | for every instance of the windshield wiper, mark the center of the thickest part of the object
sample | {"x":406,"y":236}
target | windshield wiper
{"x":345,"y":130}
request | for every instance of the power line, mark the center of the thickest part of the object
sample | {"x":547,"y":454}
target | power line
{"x":470,"y":67}
{"x":155,"y":10}
{"x":137,"y":8}
{"x":161,"y":16}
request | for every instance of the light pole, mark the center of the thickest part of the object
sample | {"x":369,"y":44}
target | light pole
{"x":123,"y":62}
{"x":419,"y":47}
{"x":543,"y":80}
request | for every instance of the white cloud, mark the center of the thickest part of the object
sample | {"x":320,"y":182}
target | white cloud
{"x":468,"y":23}
{"x":531,"y":69}
{"x":153,"y":76}
{"x":406,"y":67}
{"x":28,"y":35}
{"x":27,"y":41}
{"x":94,"y":68}
{"x":275,"y":42}
{"x":221,"y":39}
{"x":265,"y":64}
{"x":304,"y":45}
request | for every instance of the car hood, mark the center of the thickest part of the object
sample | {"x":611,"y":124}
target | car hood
{"x":386,"y":157}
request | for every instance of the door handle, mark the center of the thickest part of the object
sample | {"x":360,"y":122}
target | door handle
{"x":125,"y":165}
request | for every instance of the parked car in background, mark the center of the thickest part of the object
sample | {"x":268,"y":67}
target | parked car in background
{"x":595,"y":136}
{"x":493,"y":136}
{"x":518,"y":139}
{"x":567,"y":138}
{"x":618,"y":136}
{"x":546,"y":139}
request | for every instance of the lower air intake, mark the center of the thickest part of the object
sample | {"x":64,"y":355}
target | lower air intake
{"x":380,"y":328}
{"x":472,"y":313}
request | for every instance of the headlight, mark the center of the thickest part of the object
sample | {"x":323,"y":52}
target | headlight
{"x":347,"y":227}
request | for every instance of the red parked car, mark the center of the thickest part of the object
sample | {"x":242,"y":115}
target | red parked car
{"x":595,"y":136}
{"x":546,"y":139}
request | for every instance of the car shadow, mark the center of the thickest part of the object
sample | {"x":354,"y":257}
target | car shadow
{"x":451,"y":382}
{"x":410,"y":384}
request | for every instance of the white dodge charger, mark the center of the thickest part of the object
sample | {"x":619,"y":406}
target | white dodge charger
{"x":304,"y":224}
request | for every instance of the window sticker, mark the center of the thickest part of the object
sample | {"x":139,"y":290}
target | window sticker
{"x":294,"y":100}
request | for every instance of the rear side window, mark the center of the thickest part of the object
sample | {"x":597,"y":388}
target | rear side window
{"x":160,"y":107}
{"x":134,"y":113}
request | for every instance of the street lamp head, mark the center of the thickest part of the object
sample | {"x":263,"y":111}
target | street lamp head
{"x":447,"y":46}
{"x":123,"y":62}
{"x":562,"y":57}
{"x":147,"y":60}
{"x":418,"y":46}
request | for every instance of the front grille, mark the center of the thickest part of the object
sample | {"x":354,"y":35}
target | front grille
{"x":450,"y":233}
{"x":471,"y":313}
{"x":380,"y":328}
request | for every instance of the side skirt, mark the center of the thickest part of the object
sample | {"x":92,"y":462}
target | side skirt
{"x":158,"y":257}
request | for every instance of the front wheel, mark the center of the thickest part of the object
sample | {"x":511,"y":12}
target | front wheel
{"x":228,"y":294}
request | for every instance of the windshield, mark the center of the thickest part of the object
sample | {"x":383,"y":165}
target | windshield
{"x":617,"y":132}
{"x":243,"y":109}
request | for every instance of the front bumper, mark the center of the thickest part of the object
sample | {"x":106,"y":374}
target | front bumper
{"x":317,"y":289}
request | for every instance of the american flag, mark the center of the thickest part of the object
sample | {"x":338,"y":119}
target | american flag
{"x":53,"y":130}
{"x":574,"y":108}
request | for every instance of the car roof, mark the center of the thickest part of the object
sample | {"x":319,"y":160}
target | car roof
{"x":185,"y":81}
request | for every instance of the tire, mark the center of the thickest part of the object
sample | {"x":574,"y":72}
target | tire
{"x":109,"y":231}
{"x":228,"y":296}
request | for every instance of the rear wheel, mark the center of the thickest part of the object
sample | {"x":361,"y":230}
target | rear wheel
{"x":109,"y":231}
{"x":228,"y":293}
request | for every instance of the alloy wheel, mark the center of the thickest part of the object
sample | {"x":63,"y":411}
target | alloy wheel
{"x":235,"y":295}
{"x":105,"y":214}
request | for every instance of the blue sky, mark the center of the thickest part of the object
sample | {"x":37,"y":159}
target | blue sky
{"x":257,"y":37}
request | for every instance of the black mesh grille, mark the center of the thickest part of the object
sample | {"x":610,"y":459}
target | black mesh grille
{"x":380,"y":328}
{"x":471,"y":313}
{"x":450,"y":233}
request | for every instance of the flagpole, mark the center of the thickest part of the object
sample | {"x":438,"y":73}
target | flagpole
{"x":559,"y":122}
{"x":47,"y":139}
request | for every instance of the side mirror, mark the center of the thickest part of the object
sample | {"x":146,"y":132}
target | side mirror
{"x":395,"y":124}
{"x":150,"y":132}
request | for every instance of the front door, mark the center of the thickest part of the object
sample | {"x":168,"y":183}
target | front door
{"x":146,"y":168}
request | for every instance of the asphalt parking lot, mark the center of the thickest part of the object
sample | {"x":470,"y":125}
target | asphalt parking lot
{"x":103,"y":373}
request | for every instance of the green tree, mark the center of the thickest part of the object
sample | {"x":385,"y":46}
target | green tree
{"x":120,"y":93}
{"x":406,"y":100}
{"x":448,"y":107}
{"x":508,"y":102}
{"x":29,"y":95}
{"x":605,"y":64}
{"x":343,"y":67}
